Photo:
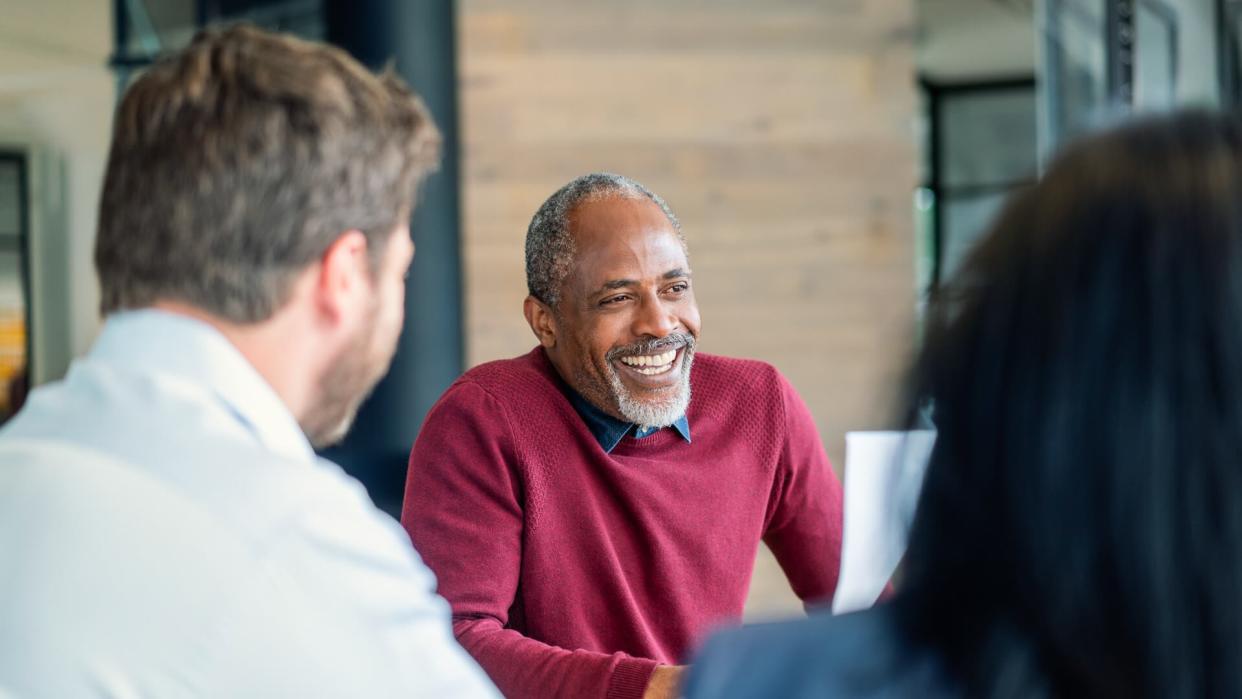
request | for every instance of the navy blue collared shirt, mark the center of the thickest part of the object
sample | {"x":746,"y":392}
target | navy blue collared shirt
{"x":608,"y":430}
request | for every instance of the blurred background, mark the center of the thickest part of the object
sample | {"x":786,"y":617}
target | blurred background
{"x":831,"y":161}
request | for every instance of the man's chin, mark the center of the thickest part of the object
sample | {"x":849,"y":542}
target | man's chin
{"x":660,"y":410}
{"x":331,"y":429}
{"x":651,"y":396}
{"x":331,"y":437}
{"x":660,"y":405}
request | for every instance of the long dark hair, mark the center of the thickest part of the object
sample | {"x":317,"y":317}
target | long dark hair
{"x":1080,"y":527}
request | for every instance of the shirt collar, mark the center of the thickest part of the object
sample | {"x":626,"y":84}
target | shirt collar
{"x":181,"y":348}
{"x":608,"y":430}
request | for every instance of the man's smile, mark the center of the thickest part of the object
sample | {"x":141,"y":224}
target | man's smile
{"x":652,"y":370}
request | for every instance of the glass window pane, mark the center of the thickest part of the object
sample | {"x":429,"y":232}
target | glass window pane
{"x":1074,"y":77}
{"x":966,"y":219}
{"x":1154,"y":79}
{"x":10,"y":199}
{"x":987,"y":138}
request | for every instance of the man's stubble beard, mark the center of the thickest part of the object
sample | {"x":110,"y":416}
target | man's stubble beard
{"x":346,"y":383}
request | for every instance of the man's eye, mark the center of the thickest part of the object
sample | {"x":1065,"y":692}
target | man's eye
{"x":612,"y":300}
{"x":679,"y":287}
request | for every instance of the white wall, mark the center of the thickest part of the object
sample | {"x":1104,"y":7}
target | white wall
{"x":65,"y":133}
{"x":56,"y":101}
{"x":966,"y":40}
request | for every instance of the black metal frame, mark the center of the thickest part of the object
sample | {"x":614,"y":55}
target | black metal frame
{"x":1228,"y":45}
{"x":23,"y":244}
{"x":206,"y":12}
{"x":936,"y":93}
{"x":1119,"y":50}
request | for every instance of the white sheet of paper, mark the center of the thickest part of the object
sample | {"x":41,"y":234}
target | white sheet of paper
{"x":883,"y":477}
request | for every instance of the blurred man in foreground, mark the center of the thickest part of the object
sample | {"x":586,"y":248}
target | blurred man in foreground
{"x":586,"y":517}
{"x":165,"y":525}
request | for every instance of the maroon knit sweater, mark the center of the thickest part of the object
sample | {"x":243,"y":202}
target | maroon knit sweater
{"x":573,"y":572}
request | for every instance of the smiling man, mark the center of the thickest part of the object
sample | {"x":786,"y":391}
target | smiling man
{"x":593,"y":507}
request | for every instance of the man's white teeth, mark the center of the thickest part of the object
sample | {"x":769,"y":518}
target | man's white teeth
{"x":652,"y":364}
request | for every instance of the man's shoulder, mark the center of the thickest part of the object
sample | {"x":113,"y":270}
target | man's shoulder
{"x":242,"y":514}
{"x":109,"y":559}
{"x":526,"y":364}
{"x":735,"y":367}
{"x":238,"y":492}
{"x":64,"y":477}
{"x":733,"y":375}
{"x":511,"y":381}
{"x":72,"y":513}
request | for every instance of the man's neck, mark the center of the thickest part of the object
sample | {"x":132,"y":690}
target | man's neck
{"x":285,"y":365}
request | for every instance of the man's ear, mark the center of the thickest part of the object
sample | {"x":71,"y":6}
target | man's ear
{"x":542,"y":321}
{"x":344,"y":274}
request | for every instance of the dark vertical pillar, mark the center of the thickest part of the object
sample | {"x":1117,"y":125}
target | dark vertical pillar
{"x":120,"y":41}
{"x":1228,"y":12}
{"x":419,"y":39}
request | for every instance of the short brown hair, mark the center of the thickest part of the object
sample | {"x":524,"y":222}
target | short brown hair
{"x":236,"y":162}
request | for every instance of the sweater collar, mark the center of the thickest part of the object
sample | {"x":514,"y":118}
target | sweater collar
{"x":608,"y":430}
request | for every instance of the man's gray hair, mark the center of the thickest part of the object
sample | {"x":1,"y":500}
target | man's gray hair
{"x":549,"y":244}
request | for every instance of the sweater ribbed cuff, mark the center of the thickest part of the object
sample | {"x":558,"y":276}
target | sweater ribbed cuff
{"x":630,"y":678}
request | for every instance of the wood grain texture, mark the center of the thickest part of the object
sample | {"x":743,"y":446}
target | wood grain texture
{"x":781,"y":132}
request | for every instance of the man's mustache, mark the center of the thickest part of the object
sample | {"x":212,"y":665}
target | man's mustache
{"x":674,"y":340}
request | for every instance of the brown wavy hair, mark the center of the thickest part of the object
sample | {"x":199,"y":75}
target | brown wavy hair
{"x":236,"y":162}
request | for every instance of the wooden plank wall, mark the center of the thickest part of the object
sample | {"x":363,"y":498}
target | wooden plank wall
{"x":781,"y":132}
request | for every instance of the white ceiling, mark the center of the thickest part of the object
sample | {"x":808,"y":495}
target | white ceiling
{"x":42,"y":41}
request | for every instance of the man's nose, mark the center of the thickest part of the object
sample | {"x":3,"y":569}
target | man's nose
{"x":655,"y":319}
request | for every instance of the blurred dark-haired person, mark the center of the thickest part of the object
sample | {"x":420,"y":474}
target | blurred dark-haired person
{"x":1079,"y":532}
{"x":165,"y":525}
{"x":587,"y":517}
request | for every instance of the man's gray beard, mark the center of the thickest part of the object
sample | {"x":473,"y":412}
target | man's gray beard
{"x":654,"y":415}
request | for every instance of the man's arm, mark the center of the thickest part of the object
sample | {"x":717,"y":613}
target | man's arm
{"x":464,"y":512}
{"x":806,"y":510}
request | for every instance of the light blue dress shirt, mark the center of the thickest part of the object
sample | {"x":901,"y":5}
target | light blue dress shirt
{"x":167,"y":531}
